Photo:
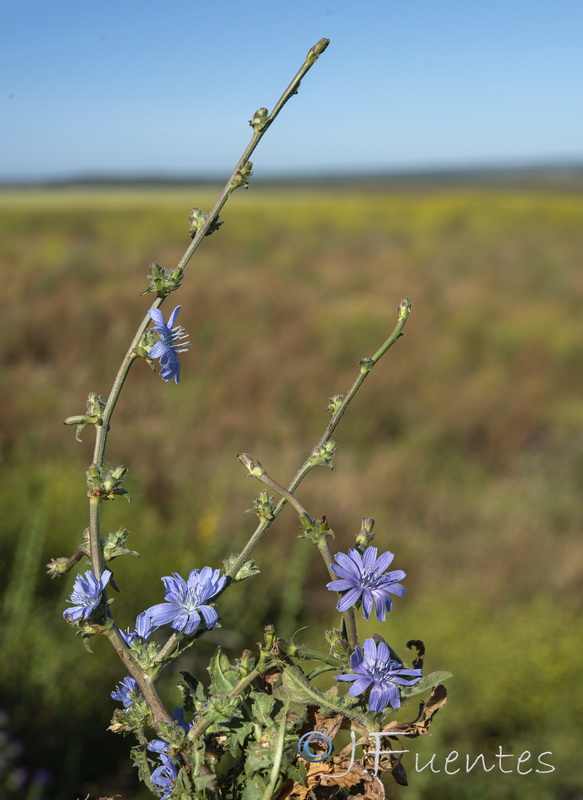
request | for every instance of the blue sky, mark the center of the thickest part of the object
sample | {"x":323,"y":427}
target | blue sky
{"x":150,"y":87}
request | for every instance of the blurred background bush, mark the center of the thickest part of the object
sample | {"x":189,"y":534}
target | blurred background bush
{"x":465,"y":444}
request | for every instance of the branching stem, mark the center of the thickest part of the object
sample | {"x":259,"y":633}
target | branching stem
{"x":366,"y":367}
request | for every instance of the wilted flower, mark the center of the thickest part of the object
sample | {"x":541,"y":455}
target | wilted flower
{"x":124,"y":691}
{"x":362,"y":576}
{"x":86,"y":595}
{"x":376,"y":668}
{"x":185,"y":599}
{"x":167,"y":349}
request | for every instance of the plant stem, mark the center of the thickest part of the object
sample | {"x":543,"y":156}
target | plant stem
{"x":147,"y":688}
{"x":145,"y":682}
{"x":130,"y":356}
{"x":348,"y":615}
{"x":366,"y":367}
{"x":274,"y":774}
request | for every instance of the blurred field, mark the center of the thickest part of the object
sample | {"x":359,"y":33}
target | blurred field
{"x":465,"y":444}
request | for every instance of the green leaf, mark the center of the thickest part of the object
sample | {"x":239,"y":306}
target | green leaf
{"x":223,"y":676}
{"x":138,"y":756}
{"x":297,"y":772}
{"x":427,"y":682}
{"x":254,"y":788}
{"x":262,"y":707}
{"x":259,"y":756}
{"x":296,"y":687}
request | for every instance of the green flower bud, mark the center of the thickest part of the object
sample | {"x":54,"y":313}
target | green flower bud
{"x":263,"y":507}
{"x":255,"y":467}
{"x":323,"y":456}
{"x":247,"y":570}
{"x":314,"y":530}
{"x":334,"y":403}
{"x":365,"y":535}
{"x":104,"y":483}
{"x":316,"y":51}
{"x":197,"y":218}
{"x":404,"y":308}
{"x":260,"y":120}
{"x":247,"y":663}
{"x":114,"y":545}
{"x":366,"y":364}
{"x":242,"y":176}
{"x":163,"y":282}
{"x":94,"y":415}
{"x":269,"y":638}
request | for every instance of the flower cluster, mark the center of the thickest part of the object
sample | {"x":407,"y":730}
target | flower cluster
{"x":184,"y":609}
{"x":364,"y":579}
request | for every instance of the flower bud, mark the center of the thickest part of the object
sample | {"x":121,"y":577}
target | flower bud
{"x":260,"y":120}
{"x":323,"y":456}
{"x":365,"y":535}
{"x":104,"y":483}
{"x":94,"y":416}
{"x":115,"y":545}
{"x":269,"y":638}
{"x":163,"y":282}
{"x":334,"y":403}
{"x":316,"y":51}
{"x":241,"y":177}
{"x":404,"y":308}
{"x":247,"y":663}
{"x":366,"y":364}
{"x":196,"y":220}
{"x":263,"y":507}
{"x":255,"y":467}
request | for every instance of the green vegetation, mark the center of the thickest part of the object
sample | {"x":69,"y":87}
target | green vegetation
{"x":465,"y":445}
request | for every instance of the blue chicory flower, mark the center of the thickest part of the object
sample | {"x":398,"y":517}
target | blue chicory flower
{"x":124,"y":691}
{"x":362,"y":576}
{"x":86,"y":595}
{"x":163,"y":777}
{"x":376,"y":668}
{"x":167,"y":349}
{"x":185,"y":600}
{"x":143,"y":629}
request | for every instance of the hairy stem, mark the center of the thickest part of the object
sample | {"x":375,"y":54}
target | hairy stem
{"x":145,"y":683}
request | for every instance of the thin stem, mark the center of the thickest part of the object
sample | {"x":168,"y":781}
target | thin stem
{"x":95,"y":549}
{"x":228,"y":189}
{"x":257,"y":471}
{"x":167,"y":648}
{"x":299,"y":651}
{"x":147,"y":688}
{"x":348,"y":615}
{"x":145,"y":682}
{"x":366,"y":367}
{"x":277,"y":756}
